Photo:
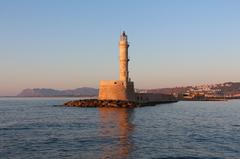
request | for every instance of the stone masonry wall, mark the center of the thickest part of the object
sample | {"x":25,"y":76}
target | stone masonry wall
{"x":116,"y":90}
{"x":112,"y":90}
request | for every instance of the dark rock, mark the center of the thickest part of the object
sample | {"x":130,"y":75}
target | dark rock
{"x":110,"y":103}
{"x":101,"y":103}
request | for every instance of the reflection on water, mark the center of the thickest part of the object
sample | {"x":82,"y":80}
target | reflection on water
{"x":33,"y":128}
{"x":116,"y":127}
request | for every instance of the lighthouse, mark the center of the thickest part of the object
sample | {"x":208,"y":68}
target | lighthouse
{"x":122,"y":89}
{"x":118,"y":93}
{"x":123,"y":60}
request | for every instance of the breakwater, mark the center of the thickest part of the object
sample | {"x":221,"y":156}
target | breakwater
{"x":111,"y":103}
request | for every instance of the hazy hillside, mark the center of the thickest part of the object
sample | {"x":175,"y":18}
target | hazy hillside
{"x":46,"y":92}
{"x":222,"y":88}
{"x":169,"y":90}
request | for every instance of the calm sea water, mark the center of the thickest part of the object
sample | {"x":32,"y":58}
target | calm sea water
{"x":34,"y":128}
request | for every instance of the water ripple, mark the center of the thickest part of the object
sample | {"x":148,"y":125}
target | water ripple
{"x":34,"y":128}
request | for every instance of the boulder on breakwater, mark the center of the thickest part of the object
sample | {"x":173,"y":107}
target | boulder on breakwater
{"x":112,"y":103}
{"x":102,"y":103}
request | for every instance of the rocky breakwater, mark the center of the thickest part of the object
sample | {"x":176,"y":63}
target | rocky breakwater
{"x":102,"y":103}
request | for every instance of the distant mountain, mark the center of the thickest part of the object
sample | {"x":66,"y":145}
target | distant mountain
{"x":46,"y":92}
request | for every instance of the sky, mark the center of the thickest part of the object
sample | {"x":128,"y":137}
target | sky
{"x":66,"y":44}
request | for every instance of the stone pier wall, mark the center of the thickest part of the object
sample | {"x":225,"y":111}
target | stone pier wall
{"x":154,"y":97}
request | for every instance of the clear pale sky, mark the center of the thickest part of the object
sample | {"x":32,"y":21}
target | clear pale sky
{"x":65,"y":44}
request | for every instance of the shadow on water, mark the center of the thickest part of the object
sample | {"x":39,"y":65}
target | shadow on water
{"x":116,"y":127}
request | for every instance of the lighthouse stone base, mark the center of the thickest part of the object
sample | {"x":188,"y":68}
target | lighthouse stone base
{"x":116,"y":90}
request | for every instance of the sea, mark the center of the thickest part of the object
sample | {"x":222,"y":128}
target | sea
{"x":41,"y":128}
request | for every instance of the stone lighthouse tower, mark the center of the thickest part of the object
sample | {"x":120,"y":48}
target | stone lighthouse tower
{"x":122,"y":89}
{"x":123,"y":51}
